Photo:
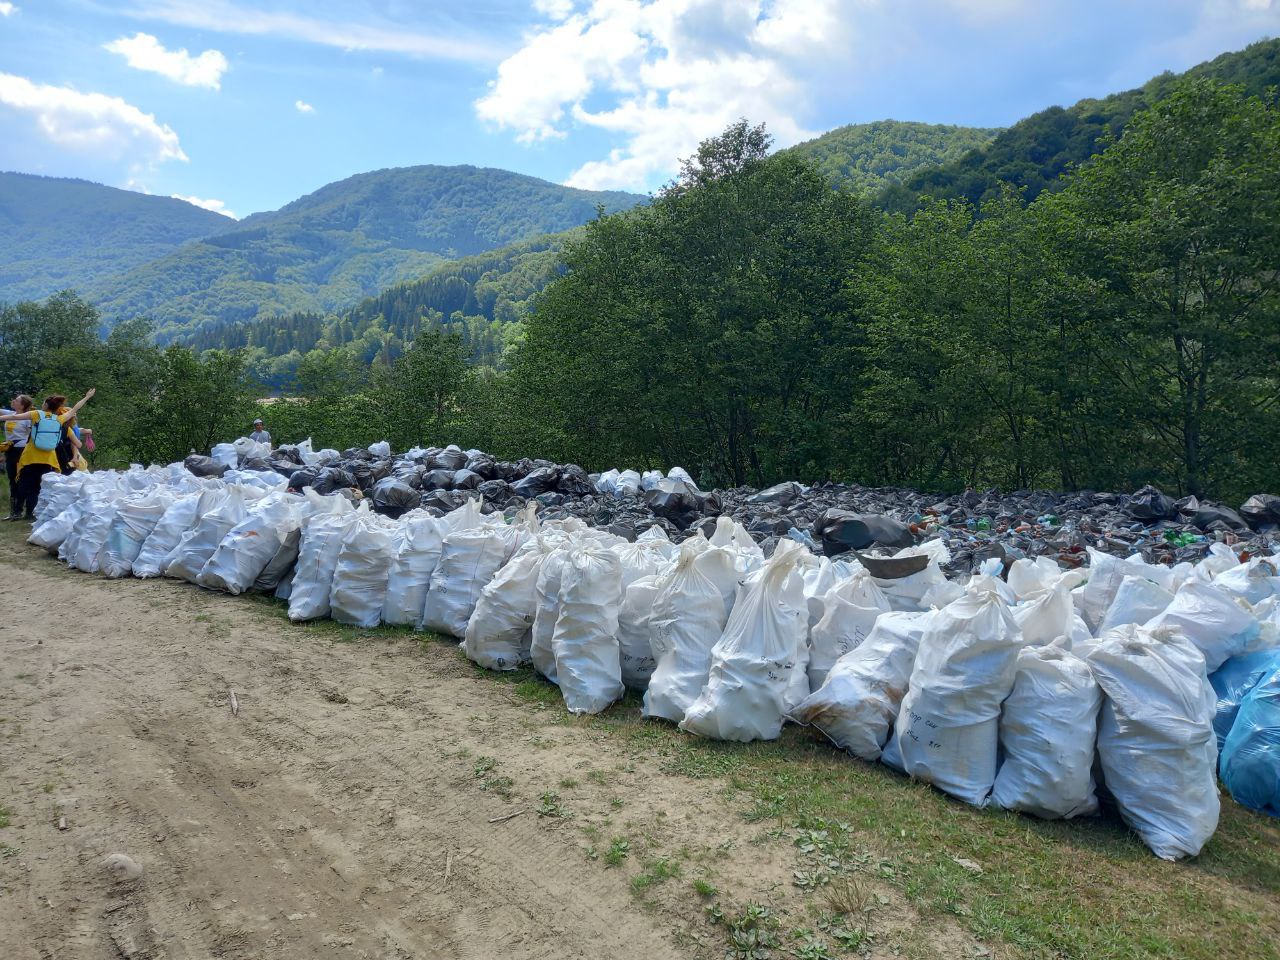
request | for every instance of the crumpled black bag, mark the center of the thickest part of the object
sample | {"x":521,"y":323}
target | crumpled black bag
{"x":203,"y":466}
{"x":495,"y":491}
{"x":394,"y":497}
{"x":437,"y":480}
{"x":1210,"y":513}
{"x":482,"y":464}
{"x":779,"y":495}
{"x":332,"y":479}
{"x":1260,"y":510}
{"x":441,"y":502}
{"x":451,"y":458}
{"x":465,"y":479}
{"x":1150,"y":505}
{"x":540,"y":480}
{"x":574,"y":481}
{"x":676,"y":501}
{"x":843,"y":530}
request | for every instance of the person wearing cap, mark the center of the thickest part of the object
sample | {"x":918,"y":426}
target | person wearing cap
{"x":260,"y":434}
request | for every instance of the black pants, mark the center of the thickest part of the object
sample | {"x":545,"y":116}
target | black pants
{"x":11,"y":472}
{"x":29,"y":486}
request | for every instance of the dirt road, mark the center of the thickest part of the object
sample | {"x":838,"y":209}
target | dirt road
{"x":358,"y":805}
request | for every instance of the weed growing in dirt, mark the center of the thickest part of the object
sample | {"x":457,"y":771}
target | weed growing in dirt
{"x":549,"y":806}
{"x":568,"y":783}
{"x":5,"y":813}
{"x":499,"y":785}
{"x":618,"y":851}
{"x":656,"y":871}
{"x":705,"y":889}
{"x":484,"y":765}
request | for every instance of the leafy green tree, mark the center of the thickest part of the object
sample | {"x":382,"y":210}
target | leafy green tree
{"x":1179,"y":223}
{"x":422,"y":394}
{"x":30,"y":332}
{"x":196,"y":402}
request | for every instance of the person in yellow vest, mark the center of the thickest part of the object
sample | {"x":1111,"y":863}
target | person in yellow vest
{"x":40,"y":455}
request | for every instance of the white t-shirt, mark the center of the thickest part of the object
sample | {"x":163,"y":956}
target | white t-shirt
{"x":19,"y":431}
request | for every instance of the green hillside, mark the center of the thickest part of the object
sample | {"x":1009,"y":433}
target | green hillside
{"x":348,"y":240}
{"x":868,"y":157}
{"x":1036,"y":151}
{"x":483,"y":298}
{"x":58,"y":233}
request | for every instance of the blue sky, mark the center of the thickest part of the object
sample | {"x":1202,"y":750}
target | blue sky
{"x":244,"y":105}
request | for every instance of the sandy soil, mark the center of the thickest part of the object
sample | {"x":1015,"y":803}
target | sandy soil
{"x":347,"y":811}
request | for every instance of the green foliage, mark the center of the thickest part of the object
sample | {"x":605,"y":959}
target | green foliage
{"x":867,"y":157}
{"x":482,"y":299}
{"x":152,"y":405}
{"x":1035,"y":152}
{"x":58,"y":233}
{"x":30,"y":332}
{"x":348,"y":240}
{"x":704,"y":328}
{"x":755,"y":326}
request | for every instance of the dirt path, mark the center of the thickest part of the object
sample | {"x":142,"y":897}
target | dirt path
{"x":347,"y":811}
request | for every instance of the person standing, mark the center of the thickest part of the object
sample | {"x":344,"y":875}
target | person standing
{"x":40,"y":455}
{"x":16,"y":434}
{"x":260,"y":434}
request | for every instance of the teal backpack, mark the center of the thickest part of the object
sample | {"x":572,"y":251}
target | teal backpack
{"x":48,"y":432}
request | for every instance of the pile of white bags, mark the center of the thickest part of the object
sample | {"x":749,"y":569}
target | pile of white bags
{"x":859,"y":700}
{"x":751,"y":665}
{"x":585,"y":639}
{"x":1016,"y":688}
{"x":318,"y":551}
{"x":251,"y":544}
{"x":1048,"y":726}
{"x":416,"y":546}
{"x":688,"y":617}
{"x":1155,"y":737}
{"x":948,"y":727}
{"x":359,"y":588}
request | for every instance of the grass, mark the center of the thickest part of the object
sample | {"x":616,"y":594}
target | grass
{"x":5,"y":813}
{"x":1048,"y":890}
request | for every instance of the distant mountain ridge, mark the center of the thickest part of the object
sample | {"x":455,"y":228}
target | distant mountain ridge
{"x":58,"y":232}
{"x":348,"y":240}
{"x":1035,"y":152}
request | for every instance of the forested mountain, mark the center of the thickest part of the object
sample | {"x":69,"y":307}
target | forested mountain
{"x":868,"y":157}
{"x":481,"y":298}
{"x":1035,"y":152}
{"x":57,"y":233}
{"x":348,"y":240}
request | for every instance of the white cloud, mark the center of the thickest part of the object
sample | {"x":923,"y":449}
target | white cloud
{"x":226,"y":16}
{"x":554,"y":9}
{"x":661,"y":75}
{"x":304,"y":107}
{"x":92,"y":122}
{"x":7,"y":9}
{"x":217,"y":206}
{"x":144,"y":52}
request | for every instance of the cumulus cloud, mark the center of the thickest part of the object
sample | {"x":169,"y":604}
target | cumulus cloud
{"x":7,"y":8}
{"x":661,"y":75}
{"x":217,"y":206}
{"x":142,"y":51}
{"x":304,"y":107}
{"x":92,"y":122}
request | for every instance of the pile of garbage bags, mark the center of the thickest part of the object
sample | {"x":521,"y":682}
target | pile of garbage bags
{"x":1026,"y":683}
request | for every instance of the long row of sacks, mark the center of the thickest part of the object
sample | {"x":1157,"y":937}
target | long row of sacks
{"x":1017,"y":688}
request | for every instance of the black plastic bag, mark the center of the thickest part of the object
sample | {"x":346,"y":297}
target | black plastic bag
{"x":1210,"y":513}
{"x":482,"y":464}
{"x":465,"y":479}
{"x":779,"y":495}
{"x":1261,"y":510}
{"x":394,"y":497}
{"x":450,"y":458}
{"x":540,"y":480}
{"x":1150,"y":505}
{"x":676,"y":501}
{"x":437,"y":480}
{"x":574,"y":481}
{"x":842,"y":530}
{"x":203,"y":466}
{"x":332,"y":479}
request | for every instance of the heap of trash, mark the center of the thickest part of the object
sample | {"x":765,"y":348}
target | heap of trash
{"x":1043,"y":653}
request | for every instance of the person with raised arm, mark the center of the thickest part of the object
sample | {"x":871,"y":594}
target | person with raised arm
{"x":40,"y":455}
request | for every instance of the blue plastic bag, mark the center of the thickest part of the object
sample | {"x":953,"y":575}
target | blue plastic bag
{"x":1251,"y":757}
{"x":1232,"y":683}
